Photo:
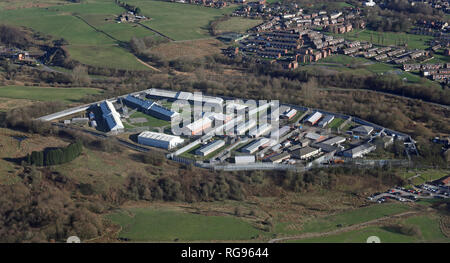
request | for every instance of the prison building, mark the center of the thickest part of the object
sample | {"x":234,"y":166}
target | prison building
{"x":325,"y":121}
{"x":359,"y":151}
{"x":305,"y":153}
{"x":289,"y":114}
{"x":256,"y":145}
{"x":111,"y":117}
{"x":198,"y":126}
{"x":280,"y":157}
{"x":159,"y":140}
{"x":151,"y":108}
{"x":363,"y":130}
{"x":244,"y":159}
{"x":255,"y":132}
{"x":314,"y":118}
{"x":210,"y":148}
{"x":335,"y":140}
{"x":242,"y":128}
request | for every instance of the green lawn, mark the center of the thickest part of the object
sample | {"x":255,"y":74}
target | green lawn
{"x":66,"y":95}
{"x":238,"y":24}
{"x":150,"y":224}
{"x":335,"y":123}
{"x":151,"y":121}
{"x":179,"y":21}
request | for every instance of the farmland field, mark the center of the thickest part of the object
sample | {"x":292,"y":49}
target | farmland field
{"x":179,"y":21}
{"x":149,"y":224}
{"x":66,"y":95}
{"x":237,"y":24}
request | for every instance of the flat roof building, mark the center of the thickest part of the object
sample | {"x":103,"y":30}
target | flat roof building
{"x":335,"y":140}
{"x":159,"y":140}
{"x":151,"y":108}
{"x":242,"y":128}
{"x":244,"y":159}
{"x":210,"y":147}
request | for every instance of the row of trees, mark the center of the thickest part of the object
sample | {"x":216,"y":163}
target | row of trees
{"x":129,"y":7}
{"x":55,"y":156}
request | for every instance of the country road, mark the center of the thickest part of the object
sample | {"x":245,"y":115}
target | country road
{"x":341,"y":230}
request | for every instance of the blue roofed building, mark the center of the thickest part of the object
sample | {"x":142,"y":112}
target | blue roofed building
{"x":111,"y":117}
{"x":151,"y":108}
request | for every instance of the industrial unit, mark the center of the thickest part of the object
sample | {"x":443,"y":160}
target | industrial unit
{"x":335,"y":140}
{"x":210,"y":147}
{"x":111,"y":117}
{"x":289,"y":114}
{"x":244,"y":159}
{"x":363,"y":130}
{"x":159,"y":140}
{"x":305,"y":153}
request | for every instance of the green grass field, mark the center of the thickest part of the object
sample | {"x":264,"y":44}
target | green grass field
{"x":388,"y":38}
{"x":149,"y":224}
{"x":428,"y":225}
{"x":66,"y":95}
{"x":352,"y":217}
{"x":238,"y":24}
{"x":86,"y":44}
{"x":151,"y":121}
{"x":335,"y":123}
{"x":179,"y":21}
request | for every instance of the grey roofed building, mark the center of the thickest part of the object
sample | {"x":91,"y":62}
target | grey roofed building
{"x":359,"y":151}
{"x":363,"y":130}
{"x":335,"y":140}
{"x":305,"y":153}
{"x":326,"y":120}
{"x":279,"y":157}
{"x":210,"y":147}
{"x":325,"y":147}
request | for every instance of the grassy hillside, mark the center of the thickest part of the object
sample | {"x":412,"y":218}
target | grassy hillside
{"x":179,"y":21}
{"x":66,"y":95}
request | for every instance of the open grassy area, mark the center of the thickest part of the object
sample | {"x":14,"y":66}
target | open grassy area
{"x":424,"y":175}
{"x":151,"y":121}
{"x":348,"y":218}
{"x":335,"y":123}
{"x":66,"y":95}
{"x":111,"y":55}
{"x":237,"y":24}
{"x":179,"y":21}
{"x":428,"y":225}
{"x":190,"y":49}
{"x":149,"y":224}
{"x":93,"y":39}
{"x":388,"y":38}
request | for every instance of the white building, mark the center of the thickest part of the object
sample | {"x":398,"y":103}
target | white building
{"x":335,"y":140}
{"x":244,"y":159}
{"x":259,"y":131}
{"x":198,"y":126}
{"x":159,"y":140}
{"x":359,"y":151}
{"x":370,"y":3}
{"x":210,"y":147}
{"x":314,"y":118}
